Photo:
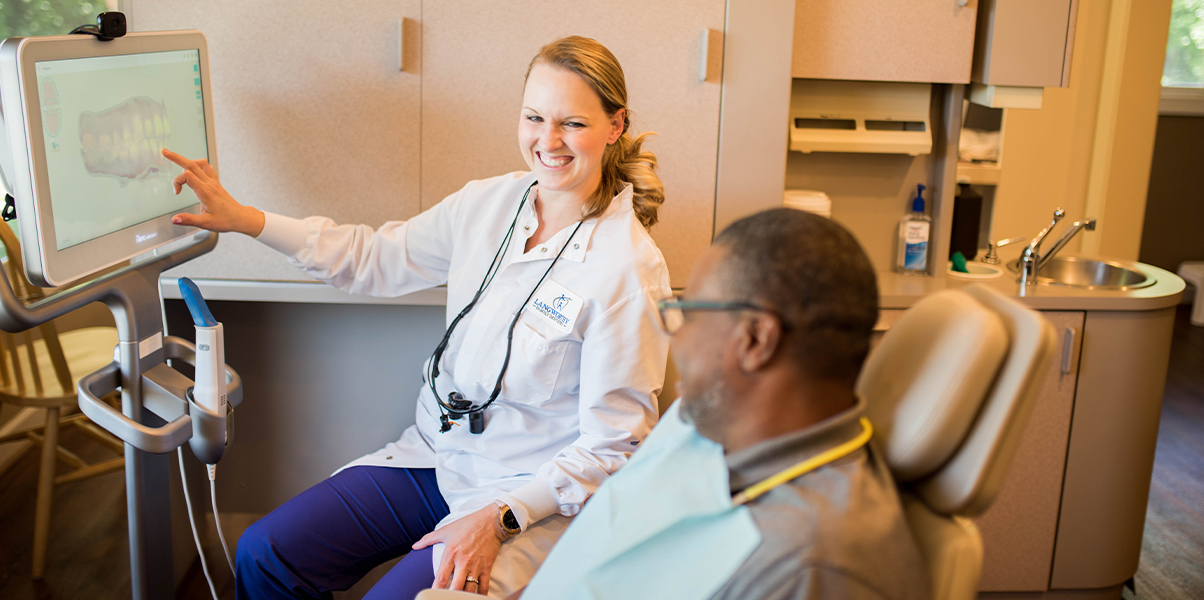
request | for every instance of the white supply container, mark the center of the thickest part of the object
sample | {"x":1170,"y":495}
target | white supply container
{"x":811,"y":201}
{"x":860,"y":116}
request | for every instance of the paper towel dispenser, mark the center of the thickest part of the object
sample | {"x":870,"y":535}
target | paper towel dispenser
{"x":860,"y":116}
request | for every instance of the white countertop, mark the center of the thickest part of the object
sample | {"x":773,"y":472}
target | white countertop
{"x":312,"y":292}
{"x":895,"y":291}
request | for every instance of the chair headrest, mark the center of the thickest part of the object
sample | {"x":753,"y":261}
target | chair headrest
{"x":925,"y":382}
{"x":969,"y":482}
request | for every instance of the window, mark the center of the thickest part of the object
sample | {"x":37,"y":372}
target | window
{"x":21,"y":18}
{"x":1183,"y":73}
{"x":25,"y":18}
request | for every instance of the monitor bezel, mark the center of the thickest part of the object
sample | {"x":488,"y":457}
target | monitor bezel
{"x":45,"y":264}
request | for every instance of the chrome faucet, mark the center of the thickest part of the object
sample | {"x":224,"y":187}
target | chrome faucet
{"x":1077,"y":226}
{"x":992,"y":258}
{"x":1031,"y":259}
{"x":1031,"y":256}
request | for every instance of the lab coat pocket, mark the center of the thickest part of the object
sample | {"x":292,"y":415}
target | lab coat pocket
{"x":535,"y":364}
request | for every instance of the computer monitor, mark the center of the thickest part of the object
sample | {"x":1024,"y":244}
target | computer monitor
{"x":86,"y":120}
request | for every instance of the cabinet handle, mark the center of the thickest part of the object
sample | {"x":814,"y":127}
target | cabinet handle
{"x":401,"y":45}
{"x":712,"y":47}
{"x":963,"y":3}
{"x":1067,"y":349}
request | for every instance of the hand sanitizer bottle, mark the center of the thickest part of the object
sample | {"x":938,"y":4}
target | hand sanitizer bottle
{"x":912,"y":255}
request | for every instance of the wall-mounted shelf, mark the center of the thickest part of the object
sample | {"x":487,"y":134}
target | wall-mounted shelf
{"x":981,"y":170}
{"x":978,"y":173}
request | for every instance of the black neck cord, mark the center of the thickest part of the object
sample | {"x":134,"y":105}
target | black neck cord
{"x":445,"y":408}
{"x":494,"y":266}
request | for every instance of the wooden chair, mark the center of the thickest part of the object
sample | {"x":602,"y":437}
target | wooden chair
{"x":41,"y":371}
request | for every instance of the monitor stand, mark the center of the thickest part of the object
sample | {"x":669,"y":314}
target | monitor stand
{"x":156,"y":417}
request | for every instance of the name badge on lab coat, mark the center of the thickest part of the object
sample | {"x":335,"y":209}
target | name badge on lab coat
{"x":556,"y":305}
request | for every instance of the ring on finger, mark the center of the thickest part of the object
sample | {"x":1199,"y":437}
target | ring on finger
{"x":472,"y":580}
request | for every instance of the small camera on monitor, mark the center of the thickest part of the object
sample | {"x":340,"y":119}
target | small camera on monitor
{"x":110,"y":25}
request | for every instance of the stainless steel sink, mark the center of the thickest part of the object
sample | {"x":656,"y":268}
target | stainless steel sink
{"x":1091,"y":274}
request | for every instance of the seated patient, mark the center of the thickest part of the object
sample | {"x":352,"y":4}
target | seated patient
{"x":769,"y":338}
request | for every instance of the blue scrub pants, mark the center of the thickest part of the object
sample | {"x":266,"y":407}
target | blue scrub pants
{"x":329,"y":536}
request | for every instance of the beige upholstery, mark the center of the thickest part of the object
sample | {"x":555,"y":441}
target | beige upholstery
{"x":969,"y":482}
{"x":928,"y":379}
{"x":949,"y":390}
{"x":952,"y":543}
{"x":445,"y":595}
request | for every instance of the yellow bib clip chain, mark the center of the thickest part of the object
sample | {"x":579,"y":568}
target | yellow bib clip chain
{"x":756,"y":490}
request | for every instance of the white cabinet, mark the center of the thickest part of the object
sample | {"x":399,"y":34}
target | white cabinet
{"x":476,"y":52}
{"x":884,"y":40}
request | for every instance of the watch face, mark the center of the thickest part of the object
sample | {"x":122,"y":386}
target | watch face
{"x":509,"y":521}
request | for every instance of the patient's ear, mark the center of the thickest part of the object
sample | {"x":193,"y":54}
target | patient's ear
{"x":761,"y":336}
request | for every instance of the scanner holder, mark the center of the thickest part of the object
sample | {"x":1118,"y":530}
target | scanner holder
{"x":167,"y":393}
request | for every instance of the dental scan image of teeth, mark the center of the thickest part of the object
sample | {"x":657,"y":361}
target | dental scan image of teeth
{"x":126,"y":141}
{"x":105,"y":122}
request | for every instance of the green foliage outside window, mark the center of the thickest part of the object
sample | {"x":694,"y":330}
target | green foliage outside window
{"x":20,"y":18}
{"x":1185,"y":45}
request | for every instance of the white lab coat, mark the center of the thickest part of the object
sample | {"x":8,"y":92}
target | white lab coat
{"x":580,"y":392}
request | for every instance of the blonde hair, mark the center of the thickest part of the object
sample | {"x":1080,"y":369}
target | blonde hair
{"x":625,"y":160}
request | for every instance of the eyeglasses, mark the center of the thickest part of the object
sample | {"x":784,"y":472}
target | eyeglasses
{"x":672,"y":311}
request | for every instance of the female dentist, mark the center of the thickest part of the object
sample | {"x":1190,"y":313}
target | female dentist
{"x":545,"y":382}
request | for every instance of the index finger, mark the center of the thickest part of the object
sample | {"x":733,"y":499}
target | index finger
{"x":183,"y":161}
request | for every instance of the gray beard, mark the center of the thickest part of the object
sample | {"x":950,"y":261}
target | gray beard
{"x":705,"y":411}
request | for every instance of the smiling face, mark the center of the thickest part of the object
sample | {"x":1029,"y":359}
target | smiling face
{"x":563,"y":131}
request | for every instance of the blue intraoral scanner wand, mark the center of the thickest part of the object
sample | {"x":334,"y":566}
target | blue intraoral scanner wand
{"x":209,"y":393}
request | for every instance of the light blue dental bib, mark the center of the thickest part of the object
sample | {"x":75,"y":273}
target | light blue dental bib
{"x":662,"y":527}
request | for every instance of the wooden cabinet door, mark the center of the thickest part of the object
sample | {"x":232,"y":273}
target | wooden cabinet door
{"x":475,"y":55}
{"x":1024,"y":42}
{"x":313,"y":114}
{"x":884,"y":40}
{"x":1018,"y":530}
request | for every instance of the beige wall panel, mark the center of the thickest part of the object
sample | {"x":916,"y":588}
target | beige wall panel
{"x":884,"y":40}
{"x":1018,"y":530}
{"x":1023,"y":42}
{"x":870,"y":193}
{"x":1048,"y":151}
{"x":475,"y":54}
{"x":313,"y":115}
{"x":1129,"y":100}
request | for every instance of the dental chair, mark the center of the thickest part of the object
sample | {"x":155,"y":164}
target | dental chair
{"x":949,"y":390}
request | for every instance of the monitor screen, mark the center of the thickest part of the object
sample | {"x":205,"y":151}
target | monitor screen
{"x":86,"y":120}
{"x":104,"y":122}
